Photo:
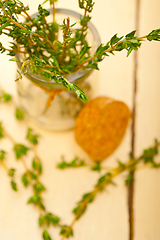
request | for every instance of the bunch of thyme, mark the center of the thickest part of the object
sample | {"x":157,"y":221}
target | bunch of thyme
{"x":44,"y":54}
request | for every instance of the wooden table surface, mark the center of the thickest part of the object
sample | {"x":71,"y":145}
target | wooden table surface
{"x":107,"y":216}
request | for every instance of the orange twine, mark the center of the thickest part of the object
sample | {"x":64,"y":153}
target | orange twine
{"x":52,"y":94}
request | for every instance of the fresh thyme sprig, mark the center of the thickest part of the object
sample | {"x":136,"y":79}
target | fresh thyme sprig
{"x":146,"y":158}
{"x":130,"y":42}
{"x":88,"y":7}
{"x":30,"y":177}
{"x":43,"y":53}
{"x":76,"y":162}
{"x":10,"y":171}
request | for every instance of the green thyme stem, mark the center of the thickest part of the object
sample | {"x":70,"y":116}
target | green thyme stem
{"x":64,"y":39}
{"x":53,"y":9}
{"x":107,"y":178}
{"x":22,"y":27}
{"x":23,"y":10}
{"x":10,"y":173}
{"x":47,"y":71}
{"x":23,"y":15}
{"x":28,"y":16}
{"x":93,"y":167}
{"x":116,"y":171}
{"x":85,"y":14}
{"x":34,"y":149}
{"x":22,"y":67}
{"x":24,"y":164}
{"x":13,"y":21}
{"x":54,"y":12}
{"x":113,"y":47}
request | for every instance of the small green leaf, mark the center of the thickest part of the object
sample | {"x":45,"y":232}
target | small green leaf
{"x":149,"y":154}
{"x":101,"y":179}
{"x":91,"y":199}
{"x":14,"y":185}
{"x":35,"y":199}
{"x":130,"y":177}
{"x":36,"y":165}
{"x":20,"y":150}
{"x":11,"y":172}
{"x":25,"y":179}
{"x":38,"y":187}
{"x":86,"y":195}
{"x":97,"y":167}
{"x":122,"y":165}
{"x":19,"y":114}
{"x":33,"y":175}
{"x":40,"y":221}
{"x":2,"y":155}
{"x":154,"y":35}
{"x":76,"y":162}
{"x":20,"y":75}
{"x":41,"y":206}
{"x":72,"y":25}
{"x":14,"y":60}
{"x":43,"y":12}
{"x":46,"y":235}
{"x":70,"y":233}
{"x":5,"y":25}
{"x":1,"y":130}
{"x":62,"y":231}
{"x":33,"y":138}
{"x":115,"y":39}
{"x":66,"y":230}
{"x":55,"y":220}
{"x":130,"y":35}
{"x":75,"y":210}
{"x":49,"y":218}
{"x":7,"y":97}
{"x":104,"y":179}
{"x":129,"y":51}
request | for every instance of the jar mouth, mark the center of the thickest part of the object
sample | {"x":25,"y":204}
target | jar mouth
{"x":75,"y":77}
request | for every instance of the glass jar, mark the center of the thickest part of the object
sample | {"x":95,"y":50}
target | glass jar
{"x":34,"y":90}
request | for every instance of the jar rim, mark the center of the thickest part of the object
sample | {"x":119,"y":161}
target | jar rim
{"x":79,"y":75}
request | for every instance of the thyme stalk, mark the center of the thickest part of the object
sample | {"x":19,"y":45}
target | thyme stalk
{"x":53,"y":9}
{"x":31,"y":177}
{"x":147,"y":158}
{"x":68,"y":56}
{"x":64,"y":38}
